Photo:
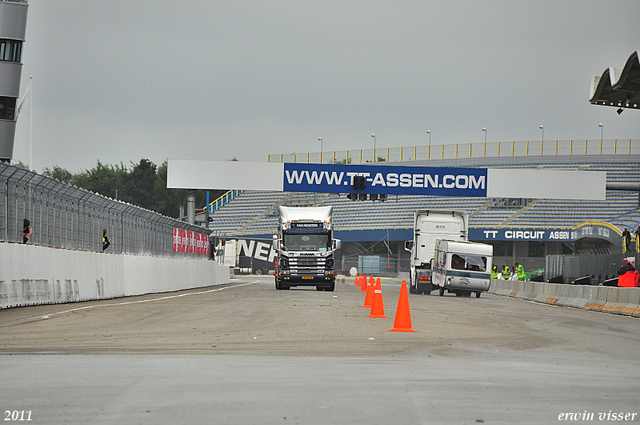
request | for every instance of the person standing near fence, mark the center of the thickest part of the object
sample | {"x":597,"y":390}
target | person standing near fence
{"x":27,"y":231}
{"x":637,"y":234}
{"x":106,"y":241}
{"x":626,"y":240}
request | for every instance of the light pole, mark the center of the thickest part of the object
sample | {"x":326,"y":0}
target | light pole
{"x":601,"y":131}
{"x":374,"y":147}
{"x":429,"y":133}
{"x":485,"y":134}
{"x":542,"y":129}
{"x":321,"y":148}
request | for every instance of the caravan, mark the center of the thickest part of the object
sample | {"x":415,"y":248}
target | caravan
{"x":462,"y":267}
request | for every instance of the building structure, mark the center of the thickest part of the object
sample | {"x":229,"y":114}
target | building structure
{"x":522,"y":230}
{"x":13,"y":24}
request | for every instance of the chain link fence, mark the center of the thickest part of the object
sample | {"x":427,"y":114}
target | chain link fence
{"x":374,"y":265}
{"x":66,"y":217}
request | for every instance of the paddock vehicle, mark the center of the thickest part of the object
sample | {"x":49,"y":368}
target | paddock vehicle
{"x":305,"y":248}
{"x":462,"y":267}
{"x":429,"y":226}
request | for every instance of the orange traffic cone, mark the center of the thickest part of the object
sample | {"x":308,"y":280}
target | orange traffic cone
{"x":377,"y":307}
{"x":379,"y":287}
{"x":356,"y":282}
{"x":402,"y":322}
{"x":368,"y":299}
{"x":363,"y":283}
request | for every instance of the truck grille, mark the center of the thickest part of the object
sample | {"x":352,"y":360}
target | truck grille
{"x":306,"y":265}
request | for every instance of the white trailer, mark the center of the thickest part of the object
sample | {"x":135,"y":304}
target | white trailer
{"x":428,"y":227}
{"x":462,"y":267}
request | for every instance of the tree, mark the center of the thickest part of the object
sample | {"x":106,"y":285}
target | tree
{"x":104,"y":179}
{"x":20,"y":164}
{"x":344,"y":161}
{"x":167,"y":201}
{"x":145,"y":185}
{"x":139,"y":184}
{"x":60,"y":174}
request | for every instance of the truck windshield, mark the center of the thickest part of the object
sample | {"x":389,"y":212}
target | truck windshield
{"x":306,"y":242}
{"x":469,"y":262}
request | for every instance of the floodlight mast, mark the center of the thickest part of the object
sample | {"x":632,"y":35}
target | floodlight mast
{"x":374,"y":147}
{"x":542,"y":130}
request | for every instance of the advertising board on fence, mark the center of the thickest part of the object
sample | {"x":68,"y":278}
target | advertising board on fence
{"x":189,"y":241}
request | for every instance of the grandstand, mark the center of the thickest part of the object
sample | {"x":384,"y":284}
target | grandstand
{"x":364,"y":225}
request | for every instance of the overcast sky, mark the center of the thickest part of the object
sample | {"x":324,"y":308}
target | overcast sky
{"x":121,"y":80}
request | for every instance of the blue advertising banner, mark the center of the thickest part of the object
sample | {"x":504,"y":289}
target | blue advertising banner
{"x":521,"y":234}
{"x":383,"y":179}
{"x":561,"y":234}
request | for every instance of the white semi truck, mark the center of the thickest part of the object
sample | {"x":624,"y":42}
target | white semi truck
{"x":428,"y":227}
{"x":305,"y":248}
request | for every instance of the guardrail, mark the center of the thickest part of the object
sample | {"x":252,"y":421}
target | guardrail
{"x":607,"y":299}
{"x":67,"y":217}
{"x":466,"y":150}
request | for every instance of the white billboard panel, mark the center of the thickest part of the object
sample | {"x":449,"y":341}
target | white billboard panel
{"x":226,"y":175}
{"x":546,"y":184}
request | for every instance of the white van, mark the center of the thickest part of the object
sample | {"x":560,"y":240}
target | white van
{"x":462,"y":267}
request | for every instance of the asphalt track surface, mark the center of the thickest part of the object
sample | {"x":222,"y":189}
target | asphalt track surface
{"x":245,"y":353}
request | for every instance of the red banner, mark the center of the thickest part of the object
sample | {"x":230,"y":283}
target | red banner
{"x":183,"y":240}
{"x":189,"y":241}
{"x":176,"y":240}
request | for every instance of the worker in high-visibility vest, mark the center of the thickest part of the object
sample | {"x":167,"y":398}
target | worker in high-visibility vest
{"x":519,"y":270}
{"x":494,"y":272}
{"x":506,"y":273}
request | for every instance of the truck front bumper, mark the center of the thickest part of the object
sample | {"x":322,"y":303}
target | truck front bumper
{"x":305,"y":279}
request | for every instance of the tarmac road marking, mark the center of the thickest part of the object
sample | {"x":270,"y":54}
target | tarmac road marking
{"x":48,"y":316}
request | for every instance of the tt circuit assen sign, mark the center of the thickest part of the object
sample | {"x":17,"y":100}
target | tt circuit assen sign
{"x":603,"y":231}
{"x":391,"y":180}
{"x":516,"y":234}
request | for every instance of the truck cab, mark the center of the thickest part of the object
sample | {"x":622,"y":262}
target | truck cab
{"x":428,"y":227}
{"x":305,"y":248}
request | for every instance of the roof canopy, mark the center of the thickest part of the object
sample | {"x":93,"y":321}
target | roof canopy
{"x":618,"y":87}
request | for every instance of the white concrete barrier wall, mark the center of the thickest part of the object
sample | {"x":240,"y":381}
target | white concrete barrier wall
{"x":32,"y":275}
{"x":609,"y":299}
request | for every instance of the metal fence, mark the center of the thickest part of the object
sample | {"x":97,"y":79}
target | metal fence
{"x":374,"y":265}
{"x":67,"y":217}
{"x":599,"y":267}
{"x":466,"y":150}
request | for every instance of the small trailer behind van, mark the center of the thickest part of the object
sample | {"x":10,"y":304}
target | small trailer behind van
{"x":462,"y":267}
